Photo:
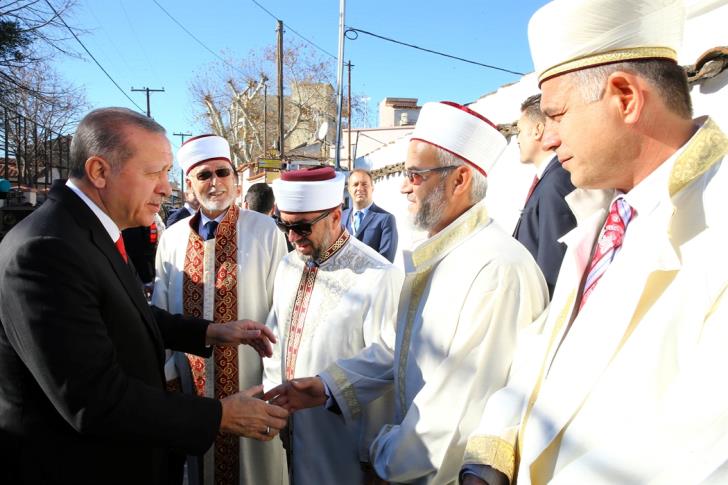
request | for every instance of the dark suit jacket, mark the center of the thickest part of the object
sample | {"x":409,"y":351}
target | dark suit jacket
{"x":141,"y":251}
{"x":177,"y":215}
{"x":545,"y":218}
{"x":82,"y":396}
{"x":378,"y":230}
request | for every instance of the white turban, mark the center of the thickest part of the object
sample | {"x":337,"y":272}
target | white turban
{"x":203,"y":148}
{"x":309,"y":190}
{"x":461,"y":131}
{"x":567,"y":35}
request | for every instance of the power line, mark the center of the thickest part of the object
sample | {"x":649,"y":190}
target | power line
{"x":191,"y":34}
{"x":294,"y":31}
{"x":356,"y":33}
{"x":92,"y":56}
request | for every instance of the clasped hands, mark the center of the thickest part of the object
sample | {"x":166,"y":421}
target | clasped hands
{"x":238,"y":332}
{"x":297,"y":394}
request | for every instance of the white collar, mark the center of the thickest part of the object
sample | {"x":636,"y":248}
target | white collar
{"x":111,"y":228}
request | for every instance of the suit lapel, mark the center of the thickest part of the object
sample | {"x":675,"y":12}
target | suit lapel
{"x":367,"y":219}
{"x":100,"y":238}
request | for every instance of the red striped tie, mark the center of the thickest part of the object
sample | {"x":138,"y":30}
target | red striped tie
{"x":122,"y":250}
{"x":608,"y":245}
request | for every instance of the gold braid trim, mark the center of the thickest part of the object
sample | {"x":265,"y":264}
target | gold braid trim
{"x":347,"y":390}
{"x":702,"y":151}
{"x":617,"y":55}
{"x":492,"y":451}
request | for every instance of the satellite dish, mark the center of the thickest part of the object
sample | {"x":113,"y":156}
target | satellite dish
{"x":323,"y":131}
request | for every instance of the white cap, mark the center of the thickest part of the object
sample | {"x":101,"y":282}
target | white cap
{"x":203,"y":148}
{"x":461,"y":131}
{"x":309,"y":190}
{"x":568,"y":35}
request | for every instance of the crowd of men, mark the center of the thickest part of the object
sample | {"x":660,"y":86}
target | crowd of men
{"x":586,"y":347}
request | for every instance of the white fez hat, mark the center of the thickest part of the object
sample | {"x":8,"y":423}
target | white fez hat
{"x":309,"y":190}
{"x":461,"y":131}
{"x":568,"y":35}
{"x":203,"y":148}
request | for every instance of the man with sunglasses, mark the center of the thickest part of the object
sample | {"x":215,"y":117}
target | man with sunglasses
{"x":334,"y":295}
{"x":469,"y":288}
{"x":221,"y":263}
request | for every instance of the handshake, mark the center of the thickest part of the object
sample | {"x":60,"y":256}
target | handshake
{"x":246,"y":413}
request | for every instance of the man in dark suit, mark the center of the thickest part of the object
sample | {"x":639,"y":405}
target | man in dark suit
{"x":82,"y":396}
{"x":546,"y":216}
{"x":190,"y":207}
{"x":371,"y":224}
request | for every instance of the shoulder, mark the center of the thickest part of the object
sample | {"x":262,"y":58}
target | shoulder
{"x":365,"y":257}
{"x":252,"y":219}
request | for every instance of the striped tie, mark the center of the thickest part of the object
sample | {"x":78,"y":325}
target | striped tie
{"x":608,"y":245}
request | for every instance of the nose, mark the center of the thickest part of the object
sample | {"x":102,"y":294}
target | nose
{"x":165,"y":186}
{"x":550,"y":140}
{"x":406,"y":186}
{"x":293,"y":236}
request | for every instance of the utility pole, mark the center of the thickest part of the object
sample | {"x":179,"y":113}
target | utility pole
{"x":148,"y":90}
{"x":339,"y":82}
{"x":182,"y":136}
{"x":265,"y":116}
{"x":348,"y":86}
{"x":280,"y":88}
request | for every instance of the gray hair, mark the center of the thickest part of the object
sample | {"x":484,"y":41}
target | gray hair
{"x":480,"y":183}
{"x":667,"y":77}
{"x":101,"y":133}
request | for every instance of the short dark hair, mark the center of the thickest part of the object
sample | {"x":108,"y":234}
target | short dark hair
{"x":101,"y":133}
{"x":531,"y":107}
{"x":365,"y":172}
{"x":260,"y":198}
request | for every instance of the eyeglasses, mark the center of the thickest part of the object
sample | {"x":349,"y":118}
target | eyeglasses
{"x":415,"y":176}
{"x":221,"y":173}
{"x":302,"y":228}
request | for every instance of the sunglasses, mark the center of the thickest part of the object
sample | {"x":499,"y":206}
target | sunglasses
{"x":416,"y":177}
{"x":302,"y":228}
{"x":221,"y":173}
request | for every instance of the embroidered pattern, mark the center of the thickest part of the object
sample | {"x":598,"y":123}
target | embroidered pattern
{"x":225,"y":359}
{"x":300,"y":306}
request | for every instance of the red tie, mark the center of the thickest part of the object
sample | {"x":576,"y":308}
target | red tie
{"x":122,"y":249}
{"x":533,"y":187}
{"x":608,"y":245}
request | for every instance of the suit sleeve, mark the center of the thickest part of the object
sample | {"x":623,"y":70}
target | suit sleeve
{"x":181,"y":333}
{"x":388,"y":245}
{"x":54,"y":316}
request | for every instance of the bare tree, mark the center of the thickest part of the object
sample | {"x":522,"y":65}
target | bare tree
{"x":239,"y":100}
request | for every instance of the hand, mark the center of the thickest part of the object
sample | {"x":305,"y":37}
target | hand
{"x":239,"y":332}
{"x":297,"y":394}
{"x":245,"y":415}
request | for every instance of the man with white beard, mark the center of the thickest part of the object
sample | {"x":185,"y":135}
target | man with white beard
{"x":468,"y":289}
{"x":220,"y":264}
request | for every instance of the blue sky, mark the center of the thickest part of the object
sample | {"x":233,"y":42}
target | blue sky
{"x":139,"y":45}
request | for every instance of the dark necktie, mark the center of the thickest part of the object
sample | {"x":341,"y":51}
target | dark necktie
{"x":122,"y":250}
{"x":533,"y":187}
{"x":357,"y":221}
{"x":209,"y":230}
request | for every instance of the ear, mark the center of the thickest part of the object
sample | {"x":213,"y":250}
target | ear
{"x":463,"y":178}
{"x":336,"y":216}
{"x":626,"y":94}
{"x":538,"y":130}
{"x":188,"y":185}
{"x":97,"y":171}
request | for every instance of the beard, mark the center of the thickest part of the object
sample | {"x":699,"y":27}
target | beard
{"x":431,"y":209}
{"x":216,"y":205}
{"x":316,"y":249}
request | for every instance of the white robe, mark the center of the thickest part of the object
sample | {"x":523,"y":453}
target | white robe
{"x":261,"y":246}
{"x":467,"y":291}
{"x":633,"y":392}
{"x":353,"y":303}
